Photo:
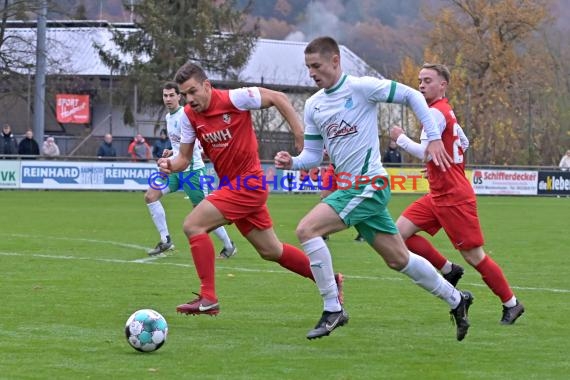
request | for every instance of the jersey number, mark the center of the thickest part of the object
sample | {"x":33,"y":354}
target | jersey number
{"x":457,"y":151}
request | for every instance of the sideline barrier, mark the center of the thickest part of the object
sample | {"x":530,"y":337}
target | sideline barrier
{"x":554,"y":182}
{"x":9,"y":174}
{"x":504,"y":182}
{"x":115,"y":175}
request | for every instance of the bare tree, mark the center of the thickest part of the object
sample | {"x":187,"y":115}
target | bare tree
{"x":501,"y":72}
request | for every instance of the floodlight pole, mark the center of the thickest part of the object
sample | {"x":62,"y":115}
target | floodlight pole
{"x":40,"y":79}
{"x":111,"y":101}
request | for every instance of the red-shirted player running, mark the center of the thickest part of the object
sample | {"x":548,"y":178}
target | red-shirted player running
{"x":221,"y":121}
{"x":450,"y":203}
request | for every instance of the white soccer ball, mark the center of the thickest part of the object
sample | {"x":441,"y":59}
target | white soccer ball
{"x":146,"y":330}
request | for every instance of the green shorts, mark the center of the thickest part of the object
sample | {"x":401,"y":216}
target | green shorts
{"x":194,"y":192}
{"x":365,"y":209}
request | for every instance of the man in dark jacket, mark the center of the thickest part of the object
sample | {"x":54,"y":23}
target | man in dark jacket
{"x":161,"y":144}
{"x":106,"y":150}
{"x":8,"y":144}
{"x":392,"y":155}
{"x":28,"y":146}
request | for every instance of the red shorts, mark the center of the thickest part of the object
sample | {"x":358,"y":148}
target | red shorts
{"x":329,"y":179}
{"x":244,"y":204}
{"x":460,"y":222}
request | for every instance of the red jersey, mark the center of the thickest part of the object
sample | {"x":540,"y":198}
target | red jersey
{"x":450,"y":187}
{"x":329,"y":180}
{"x":227,"y":136}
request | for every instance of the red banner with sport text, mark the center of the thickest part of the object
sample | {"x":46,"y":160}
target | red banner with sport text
{"x":73,"y":109}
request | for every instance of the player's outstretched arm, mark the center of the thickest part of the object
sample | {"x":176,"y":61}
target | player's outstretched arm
{"x":435,"y":148}
{"x":279,"y":100}
{"x":417,"y":150}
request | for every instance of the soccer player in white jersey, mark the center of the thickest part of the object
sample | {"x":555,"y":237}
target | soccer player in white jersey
{"x":171,"y":98}
{"x":342,"y":117}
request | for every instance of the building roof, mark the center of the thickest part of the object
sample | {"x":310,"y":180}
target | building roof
{"x":71,"y":51}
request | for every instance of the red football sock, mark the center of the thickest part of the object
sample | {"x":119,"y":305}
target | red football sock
{"x":494,"y":278}
{"x":296,"y":261}
{"x":204,"y":257}
{"x":422,"y":247}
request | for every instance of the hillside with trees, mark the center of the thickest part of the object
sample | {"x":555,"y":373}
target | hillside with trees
{"x":510,"y":59}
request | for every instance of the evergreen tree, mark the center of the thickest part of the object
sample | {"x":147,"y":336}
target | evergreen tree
{"x":169,"y":33}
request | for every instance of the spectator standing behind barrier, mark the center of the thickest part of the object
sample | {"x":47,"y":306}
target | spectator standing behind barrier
{"x":50,"y":148}
{"x":8,"y":144}
{"x":565,"y":161}
{"x":28,"y":146}
{"x":392,"y":155}
{"x":139,"y":149}
{"x":106,"y":150}
{"x":161,"y":144}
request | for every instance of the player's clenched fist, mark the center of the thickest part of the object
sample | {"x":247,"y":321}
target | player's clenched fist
{"x":283,"y":160}
{"x":164,"y":165}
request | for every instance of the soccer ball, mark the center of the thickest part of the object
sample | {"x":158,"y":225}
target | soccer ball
{"x":146,"y":330}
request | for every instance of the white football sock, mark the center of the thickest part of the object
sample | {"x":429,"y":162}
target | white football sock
{"x":221,"y":234}
{"x":159,"y":218}
{"x":512,"y":302}
{"x":425,"y":275}
{"x":321,"y":266}
{"x":446,"y":267}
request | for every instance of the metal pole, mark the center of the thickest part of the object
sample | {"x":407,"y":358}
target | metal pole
{"x":111,"y":102}
{"x":135,"y":105}
{"x":529,"y":129}
{"x":29,"y":100}
{"x":40,"y":80}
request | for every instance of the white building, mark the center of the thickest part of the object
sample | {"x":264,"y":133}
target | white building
{"x":72,"y":53}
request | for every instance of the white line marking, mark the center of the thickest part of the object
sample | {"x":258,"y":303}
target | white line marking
{"x":124,"y":245}
{"x":152,"y":261}
{"x":146,"y":259}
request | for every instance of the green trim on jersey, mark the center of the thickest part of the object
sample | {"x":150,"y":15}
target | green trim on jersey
{"x":173,"y":112}
{"x":392,"y":92}
{"x":365,"y":209}
{"x":366,"y":162}
{"x":313,"y":137}
{"x":331,"y":90}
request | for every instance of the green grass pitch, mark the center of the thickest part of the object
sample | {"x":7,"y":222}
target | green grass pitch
{"x":73,"y":268}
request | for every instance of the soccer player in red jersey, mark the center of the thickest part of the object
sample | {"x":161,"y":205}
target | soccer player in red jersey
{"x":450,"y":203}
{"x":221,"y":121}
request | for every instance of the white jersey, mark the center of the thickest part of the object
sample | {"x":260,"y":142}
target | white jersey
{"x":345,"y":117}
{"x":174,"y":129}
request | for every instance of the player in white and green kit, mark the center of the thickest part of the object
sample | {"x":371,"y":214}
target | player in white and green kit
{"x":342,"y":117}
{"x":196,"y":170}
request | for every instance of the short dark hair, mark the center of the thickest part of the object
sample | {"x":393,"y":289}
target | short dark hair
{"x":171,"y":86}
{"x":323,"y":46}
{"x":440,"y":69}
{"x":190,"y":70}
